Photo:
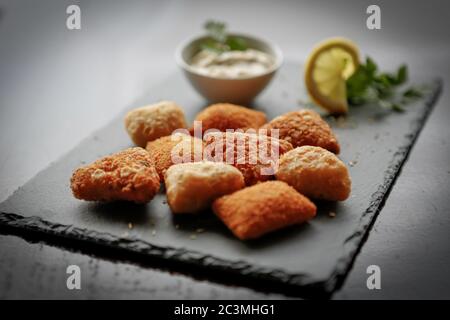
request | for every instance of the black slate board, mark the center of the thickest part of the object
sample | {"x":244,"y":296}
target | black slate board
{"x":309,"y":260}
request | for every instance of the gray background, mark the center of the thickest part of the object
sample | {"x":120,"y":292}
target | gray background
{"x":126,"y":47}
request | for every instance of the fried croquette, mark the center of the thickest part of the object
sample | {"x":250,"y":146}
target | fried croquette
{"x":254,"y":211}
{"x":316,"y":173}
{"x":184,"y":148}
{"x":222,"y":116}
{"x":304,"y":128}
{"x":192,"y":187}
{"x":127,"y":175}
{"x":154,"y":121}
{"x":256,"y":156}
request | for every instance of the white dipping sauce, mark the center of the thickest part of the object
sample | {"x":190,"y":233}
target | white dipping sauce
{"x":232,"y":64}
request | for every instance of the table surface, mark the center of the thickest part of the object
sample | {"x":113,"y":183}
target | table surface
{"x":122,"y":50}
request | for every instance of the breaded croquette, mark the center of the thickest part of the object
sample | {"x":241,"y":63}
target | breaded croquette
{"x":192,"y":187}
{"x":304,"y":128}
{"x":254,"y":211}
{"x":256,"y":156}
{"x":154,"y":121}
{"x":316,"y":173}
{"x":127,"y":175}
{"x":184,"y":147}
{"x":222,"y":116}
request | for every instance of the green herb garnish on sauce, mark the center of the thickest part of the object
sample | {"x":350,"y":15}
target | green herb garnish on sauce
{"x":219,"y":40}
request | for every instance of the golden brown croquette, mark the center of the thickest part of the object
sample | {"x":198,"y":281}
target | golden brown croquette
{"x":154,"y":121}
{"x":254,"y":211}
{"x":304,"y":128}
{"x":256,"y":156}
{"x":316,"y":173}
{"x":222,"y":116}
{"x":127,"y":175}
{"x":163,"y":149}
{"x":192,"y":187}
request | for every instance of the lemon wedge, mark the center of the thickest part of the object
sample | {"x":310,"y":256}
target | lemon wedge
{"x":327,"y":68}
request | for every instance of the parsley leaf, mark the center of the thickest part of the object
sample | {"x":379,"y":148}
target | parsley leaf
{"x":412,"y":93}
{"x":216,"y":30}
{"x":219,"y":41}
{"x":368,"y":85}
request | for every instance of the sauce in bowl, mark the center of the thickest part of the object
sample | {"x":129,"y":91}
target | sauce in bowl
{"x":232,"y":64}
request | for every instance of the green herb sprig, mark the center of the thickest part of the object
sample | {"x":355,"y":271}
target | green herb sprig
{"x":368,"y":85}
{"x":218,"y":39}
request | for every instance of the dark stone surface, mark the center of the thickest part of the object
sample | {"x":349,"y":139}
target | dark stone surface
{"x":310,"y":260}
{"x":32,"y":268}
{"x":58,"y":86}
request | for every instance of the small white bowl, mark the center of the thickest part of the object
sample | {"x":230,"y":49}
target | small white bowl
{"x":214,"y":89}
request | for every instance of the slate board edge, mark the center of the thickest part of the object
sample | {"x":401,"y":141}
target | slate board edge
{"x":309,"y":287}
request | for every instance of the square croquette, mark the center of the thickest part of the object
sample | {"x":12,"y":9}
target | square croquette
{"x":268,"y":206}
{"x":192,"y":187}
{"x":183,"y":147}
{"x":154,"y":121}
{"x":127,"y":175}
{"x":223,"y":116}
{"x":256,"y":156}
{"x":304,"y":128}
{"x":316,"y":173}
